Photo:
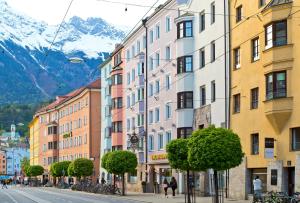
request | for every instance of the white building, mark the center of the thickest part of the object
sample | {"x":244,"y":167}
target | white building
{"x":203,"y":76}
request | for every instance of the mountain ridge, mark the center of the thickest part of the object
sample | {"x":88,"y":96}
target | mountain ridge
{"x":30,"y":72}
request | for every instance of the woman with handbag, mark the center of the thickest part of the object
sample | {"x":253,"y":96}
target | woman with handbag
{"x":173,"y":185}
{"x":165,"y":186}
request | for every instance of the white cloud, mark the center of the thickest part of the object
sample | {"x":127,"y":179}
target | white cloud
{"x":52,"y":11}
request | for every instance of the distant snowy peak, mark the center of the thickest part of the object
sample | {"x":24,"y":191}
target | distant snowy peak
{"x":91,"y":36}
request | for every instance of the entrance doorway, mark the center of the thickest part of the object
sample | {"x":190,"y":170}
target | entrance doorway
{"x":291,"y":180}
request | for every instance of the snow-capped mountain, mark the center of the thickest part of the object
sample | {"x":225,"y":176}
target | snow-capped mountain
{"x":32,"y":70}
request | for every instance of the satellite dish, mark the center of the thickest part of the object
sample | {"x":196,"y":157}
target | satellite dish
{"x":76,"y":60}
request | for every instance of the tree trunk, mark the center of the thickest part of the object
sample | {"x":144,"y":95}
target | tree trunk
{"x":188,"y":186}
{"x":123,"y":184}
{"x":114,"y":186}
{"x":216,"y":186}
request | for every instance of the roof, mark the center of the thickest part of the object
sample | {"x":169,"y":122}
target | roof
{"x":277,"y":3}
{"x":62,"y":99}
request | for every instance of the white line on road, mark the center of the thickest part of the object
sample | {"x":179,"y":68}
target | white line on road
{"x":10,"y":197}
{"x":33,"y":198}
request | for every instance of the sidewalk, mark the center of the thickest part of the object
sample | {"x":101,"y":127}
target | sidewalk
{"x":160,"y":198}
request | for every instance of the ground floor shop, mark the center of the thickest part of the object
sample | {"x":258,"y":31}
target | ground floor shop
{"x":278,"y":175}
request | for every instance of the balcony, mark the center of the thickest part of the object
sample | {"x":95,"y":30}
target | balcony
{"x":278,"y":111}
{"x":116,"y":139}
{"x":141,"y":106}
{"x":185,"y":82}
{"x":185,"y":117}
{"x":275,"y":58}
{"x":141,"y":80}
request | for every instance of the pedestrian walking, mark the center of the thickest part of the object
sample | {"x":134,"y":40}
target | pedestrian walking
{"x":102,"y":181}
{"x":257,"y":186}
{"x":165,"y":186}
{"x":173,"y":185}
{"x":4,"y":184}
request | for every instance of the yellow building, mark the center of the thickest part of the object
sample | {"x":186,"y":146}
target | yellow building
{"x":34,"y":141}
{"x":265,"y":95}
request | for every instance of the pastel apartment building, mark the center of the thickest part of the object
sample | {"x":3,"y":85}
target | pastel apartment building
{"x":265,"y":94}
{"x":3,"y":162}
{"x":106,"y":120}
{"x":70,"y":128}
{"x":34,"y":143}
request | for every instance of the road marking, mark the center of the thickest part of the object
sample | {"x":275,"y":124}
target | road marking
{"x":10,"y":197}
{"x":31,"y":197}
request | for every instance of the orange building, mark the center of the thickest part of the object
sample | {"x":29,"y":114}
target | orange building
{"x":117,"y":98}
{"x":70,"y":128}
{"x":2,"y":162}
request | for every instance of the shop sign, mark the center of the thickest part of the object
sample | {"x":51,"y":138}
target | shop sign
{"x":156,"y":157}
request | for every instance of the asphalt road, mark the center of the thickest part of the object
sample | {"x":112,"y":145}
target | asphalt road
{"x":51,"y":195}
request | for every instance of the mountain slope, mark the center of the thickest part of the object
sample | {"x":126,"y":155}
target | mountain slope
{"x":29,"y":72}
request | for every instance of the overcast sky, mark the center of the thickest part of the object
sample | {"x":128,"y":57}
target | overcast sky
{"x":52,"y":11}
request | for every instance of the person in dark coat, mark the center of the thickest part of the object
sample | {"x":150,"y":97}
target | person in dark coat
{"x":165,"y":186}
{"x":173,"y":185}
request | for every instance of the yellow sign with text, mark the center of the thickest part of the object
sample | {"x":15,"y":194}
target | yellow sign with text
{"x":156,"y":157}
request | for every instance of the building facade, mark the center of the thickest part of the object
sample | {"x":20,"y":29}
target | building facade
{"x":70,"y":128}
{"x":264,"y":94}
{"x":3,"y":163}
{"x":106,"y":122}
{"x":34,"y":141}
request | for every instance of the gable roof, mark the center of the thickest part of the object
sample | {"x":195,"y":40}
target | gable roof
{"x":62,"y":99}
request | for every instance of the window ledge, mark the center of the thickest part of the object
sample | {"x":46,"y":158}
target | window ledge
{"x":270,"y":48}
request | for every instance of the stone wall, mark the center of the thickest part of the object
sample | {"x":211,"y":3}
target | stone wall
{"x":202,"y":116}
{"x":275,"y":165}
{"x":297,"y":173}
{"x":238,"y":181}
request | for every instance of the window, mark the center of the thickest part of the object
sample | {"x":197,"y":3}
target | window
{"x":150,"y":117}
{"x":117,"y":127}
{"x":168,"y":137}
{"x":117,"y":103}
{"x":213,"y":12}
{"x":138,"y":47}
{"x":140,"y":94}
{"x":254,"y":98}
{"x":168,"y":110}
{"x":151,"y":36}
{"x":184,"y":132}
{"x":213,"y":91}
{"x":168,"y":24}
{"x":255,"y":49}
{"x":128,"y":101}
{"x":236,"y":103}
{"x":295,"y":139}
{"x":144,"y":42}
{"x":184,"y":29}
{"x":157,"y":86}
{"x":151,"y":63}
{"x":184,"y":100}
{"x":276,"y":85}
{"x":157,"y":56}
{"x":168,"y":82}
{"x":133,"y":123}
{"x":117,"y":59}
{"x":127,"y":55}
{"x":157,"y":31}
{"x":132,"y":177}
{"x":202,"y":21}
{"x":151,"y":90}
{"x":237,"y":58}
{"x":133,"y":99}
{"x":151,"y":143}
{"x":239,"y":13}
{"x":128,"y":78}
{"x":133,"y":51}
{"x":140,"y":120}
{"x":157,"y":115}
{"x":168,"y":53}
{"x":269,"y":143}
{"x":202,"y":96}
{"x":276,"y":34}
{"x":184,"y":64}
{"x":255,"y":144}
{"x":202,"y":57}
{"x":213,"y":51}
{"x":160,"y":141}
{"x":116,"y":79}
{"x":133,"y":75}
{"x":261,"y":3}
